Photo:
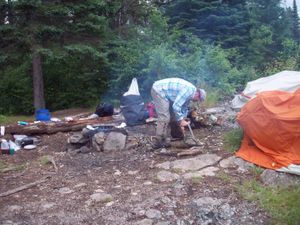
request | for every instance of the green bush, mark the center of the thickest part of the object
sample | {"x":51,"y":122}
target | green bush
{"x":2,"y":119}
{"x":233,"y":139}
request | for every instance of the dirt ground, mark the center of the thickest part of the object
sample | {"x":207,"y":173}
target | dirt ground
{"x":129,"y":177}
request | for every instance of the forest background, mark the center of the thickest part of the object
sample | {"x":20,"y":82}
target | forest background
{"x":60,"y":54}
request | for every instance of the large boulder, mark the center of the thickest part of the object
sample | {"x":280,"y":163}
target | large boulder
{"x":114,"y":141}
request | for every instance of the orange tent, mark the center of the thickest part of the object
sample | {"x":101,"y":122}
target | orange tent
{"x":271,"y":124}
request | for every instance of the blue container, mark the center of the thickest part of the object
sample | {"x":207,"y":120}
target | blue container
{"x":42,"y":115}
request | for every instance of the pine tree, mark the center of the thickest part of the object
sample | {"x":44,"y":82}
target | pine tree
{"x":269,"y":28}
{"x":295,"y":23}
{"x":219,"y":22}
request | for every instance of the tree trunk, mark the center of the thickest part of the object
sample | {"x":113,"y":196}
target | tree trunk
{"x":38,"y":82}
{"x":2,"y":11}
{"x":10,"y":16}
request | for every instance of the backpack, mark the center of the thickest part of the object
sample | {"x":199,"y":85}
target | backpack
{"x":133,"y":109}
{"x":104,"y":109}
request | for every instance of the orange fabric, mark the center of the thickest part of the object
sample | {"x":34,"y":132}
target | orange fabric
{"x":271,"y":124}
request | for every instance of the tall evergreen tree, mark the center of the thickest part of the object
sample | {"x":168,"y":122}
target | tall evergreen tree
{"x":269,"y":28}
{"x":219,"y":22}
{"x":295,"y":23}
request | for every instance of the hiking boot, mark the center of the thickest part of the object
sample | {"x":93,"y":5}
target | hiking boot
{"x":167,"y":142}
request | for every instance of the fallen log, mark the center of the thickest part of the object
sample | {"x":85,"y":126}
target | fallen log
{"x":55,"y":127}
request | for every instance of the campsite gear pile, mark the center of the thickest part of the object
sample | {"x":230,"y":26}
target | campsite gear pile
{"x":132,"y":106}
{"x":20,"y":141}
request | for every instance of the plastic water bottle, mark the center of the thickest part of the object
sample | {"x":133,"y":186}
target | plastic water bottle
{"x":4,"y":147}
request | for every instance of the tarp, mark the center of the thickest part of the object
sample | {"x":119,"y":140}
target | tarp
{"x":284,"y":81}
{"x":271,"y":124}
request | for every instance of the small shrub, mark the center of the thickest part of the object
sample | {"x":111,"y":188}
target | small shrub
{"x":2,"y":119}
{"x":2,"y":166}
{"x":224,"y":176}
{"x":46,"y":159}
{"x":233,"y":139}
{"x":196,"y":179}
{"x":212,"y":98}
{"x":256,"y":171}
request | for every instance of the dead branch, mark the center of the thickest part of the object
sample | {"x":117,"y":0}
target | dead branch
{"x":24,"y":187}
{"x":189,"y":153}
{"x":53,"y":163}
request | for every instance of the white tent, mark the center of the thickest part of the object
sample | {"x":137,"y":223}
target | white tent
{"x":285,"y":81}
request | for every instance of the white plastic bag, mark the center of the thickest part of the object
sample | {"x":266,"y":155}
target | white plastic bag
{"x":133,"y":89}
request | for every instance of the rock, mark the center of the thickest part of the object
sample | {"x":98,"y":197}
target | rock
{"x":225,"y":211}
{"x":166,"y":176}
{"x":97,"y":141}
{"x":179,"y":189}
{"x":130,"y":172}
{"x":114,"y":141}
{"x":163,"y":223}
{"x":8,"y":222}
{"x":144,"y":222}
{"x":14,"y":208}
{"x":101,"y":197}
{"x":48,"y":205}
{"x":83,"y":149}
{"x":117,"y":173}
{"x":243,"y":165}
{"x":182,"y":222}
{"x":165,"y":165}
{"x":168,"y":202}
{"x":109,"y":204}
{"x":77,"y":138}
{"x":170,"y":213}
{"x":215,"y":110}
{"x":65,"y":190}
{"x":153,"y":214}
{"x":209,"y":210}
{"x":195,"y":163}
{"x":209,"y":171}
{"x":229,"y":162}
{"x":274,"y":178}
{"x":147,"y":183}
{"x":80,"y":185}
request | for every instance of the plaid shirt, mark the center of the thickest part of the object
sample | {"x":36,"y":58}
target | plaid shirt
{"x":178,"y":91}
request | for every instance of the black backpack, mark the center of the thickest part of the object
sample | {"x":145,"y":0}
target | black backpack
{"x":133,"y":109}
{"x":104,"y":109}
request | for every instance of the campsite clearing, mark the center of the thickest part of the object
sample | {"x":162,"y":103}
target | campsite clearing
{"x":134,"y":186}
